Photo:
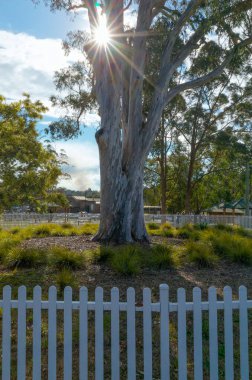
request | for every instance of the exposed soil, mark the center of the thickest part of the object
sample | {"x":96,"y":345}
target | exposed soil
{"x":187,"y":276}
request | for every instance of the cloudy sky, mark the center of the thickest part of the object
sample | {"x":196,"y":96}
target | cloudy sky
{"x":30,"y":53}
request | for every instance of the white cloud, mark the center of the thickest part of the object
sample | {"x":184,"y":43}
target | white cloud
{"x":27,"y":64}
{"x":83,"y":160}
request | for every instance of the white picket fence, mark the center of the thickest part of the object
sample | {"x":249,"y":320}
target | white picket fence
{"x":164,"y":308}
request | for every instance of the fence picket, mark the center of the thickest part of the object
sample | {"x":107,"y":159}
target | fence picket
{"x":115,"y":344}
{"x":164,"y":332}
{"x":6,"y":331}
{"x":131,"y":334}
{"x":52,"y":333}
{"x":83,"y":321}
{"x":147,"y":328}
{"x":99,"y":366}
{"x":67,"y":333}
{"x":182,"y":345}
{"x":197,"y":334}
{"x":164,"y":307}
{"x":213,"y":334}
{"x":36,"y":370}
{"x":244,"y":346}
{"x":21,"y":350}
{"x":228,"y":334}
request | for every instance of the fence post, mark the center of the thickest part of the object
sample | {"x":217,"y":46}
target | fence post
{"x":164,"y":332}
{"x":99,"y":341}
{"x":21,"y":350}
{"x":6,"y":331}
{"x":147,"y":334}
{"x":228,"y":334}
{"x":52,"y":333}
{"x":197,"y":334}
{"x":83,"y":325}
{"x":131,"y":331}
{"x":243,"y":321}
{"x":213,"y":334}
{"x":36,"y":373}
{"x":67,"y":333}
{"x":182,"y":347}
{"x":115,"y":343}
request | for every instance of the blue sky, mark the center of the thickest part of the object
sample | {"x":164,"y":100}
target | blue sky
{"x":30,"y":52}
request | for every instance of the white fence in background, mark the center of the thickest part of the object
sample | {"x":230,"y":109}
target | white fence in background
{"x":25,"y":219}
{"x":164,"y":308}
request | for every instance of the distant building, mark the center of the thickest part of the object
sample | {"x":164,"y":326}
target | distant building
{"x":230,"y":208}
{"x":83,"y":204}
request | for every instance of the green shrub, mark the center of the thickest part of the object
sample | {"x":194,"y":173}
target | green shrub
{"x":159,"y":257}
{"x":15,"y":230}
{"x":65,"y":278}
{"x":126,"y":260}
{"x":61,"y":257}
{"x":201,"y":253}
{"x":25,"y":257}
{"x":188,"y":232}
{"x":153,"y":226}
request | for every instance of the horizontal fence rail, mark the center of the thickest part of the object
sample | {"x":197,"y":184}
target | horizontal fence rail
{"x":154,"y":340}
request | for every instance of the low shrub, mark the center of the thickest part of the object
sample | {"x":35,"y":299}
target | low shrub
{"x":126,"y":260}
{"x":88,"y":229}
{"x":159,"y":257}
{"x":224,"y":227}
{"x":188,"y":232}
{"x":67,"y":226}
{"x":61,"y":257}
{"x":201,"y":226}
{"x":65,"y":278}
{"x":25,"y":257}
{"x":201,"y":253}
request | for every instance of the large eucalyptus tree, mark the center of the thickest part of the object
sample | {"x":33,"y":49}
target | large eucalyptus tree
{"x":119,"y":66}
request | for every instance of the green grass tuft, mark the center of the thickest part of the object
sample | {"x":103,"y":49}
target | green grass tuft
{"x":201,"y":253}
{"x":25,"y":257}
{"x":61,"y":257}
{"x":65,"y":278}
{"x":126,"y":260}
{"x":159,"y":257}
{"x":153,"y":226}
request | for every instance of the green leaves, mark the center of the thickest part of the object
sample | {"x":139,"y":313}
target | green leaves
{"x":27,"y":168}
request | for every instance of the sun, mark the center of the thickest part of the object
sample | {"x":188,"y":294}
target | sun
{"x":101,"y":33}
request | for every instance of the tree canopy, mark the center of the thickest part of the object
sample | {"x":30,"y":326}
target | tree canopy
{"x":28,"y":169}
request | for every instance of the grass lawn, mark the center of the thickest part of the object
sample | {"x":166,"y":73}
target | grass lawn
{"x":64,"y":255}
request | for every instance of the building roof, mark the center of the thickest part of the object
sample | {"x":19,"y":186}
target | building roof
{"x":83,"y":198}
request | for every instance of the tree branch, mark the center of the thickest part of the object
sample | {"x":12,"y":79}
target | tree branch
{"x":208,"y":77}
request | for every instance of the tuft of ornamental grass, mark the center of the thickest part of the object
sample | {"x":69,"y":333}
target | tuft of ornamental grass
{"x":159,"y":257}
{"x":88,"y":229}
{"x":168,"y":230}
{"x":61,"y":257}
{"x":224,"y":227}
{"x":126,"y":259}
{"x":6,"y":245}
{"x":201,"y":253}
{"x":234,"y":247}
{"x":43,"y":230}
{"x":65,"y":278}
{"x":66,"y":226}
{"x":188,"y":232}
{"x":153,"y":226}
{"x":25,"y":257}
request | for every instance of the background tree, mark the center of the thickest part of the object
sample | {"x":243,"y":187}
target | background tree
{"x":28,"y":169}
{"x":127,"y":133}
